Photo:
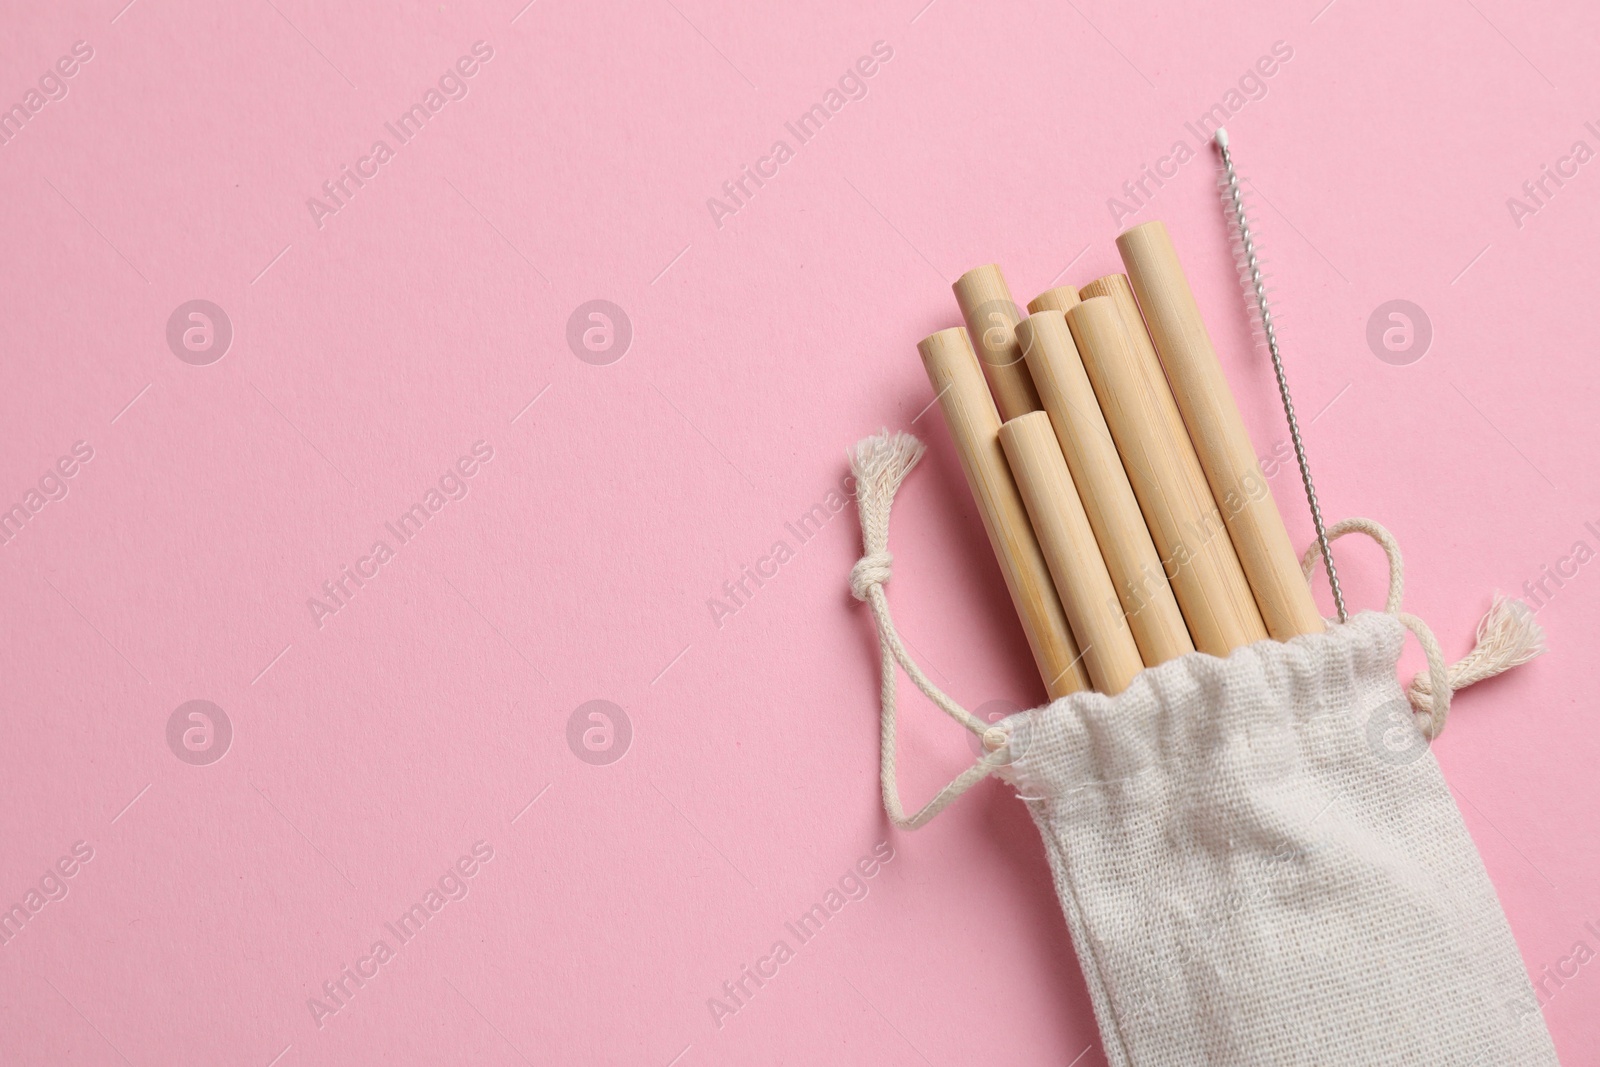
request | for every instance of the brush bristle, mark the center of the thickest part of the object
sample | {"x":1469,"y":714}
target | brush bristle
{"x":1241,"y":262}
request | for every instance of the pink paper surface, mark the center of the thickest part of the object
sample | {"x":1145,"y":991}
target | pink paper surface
{"x":617,"y":494}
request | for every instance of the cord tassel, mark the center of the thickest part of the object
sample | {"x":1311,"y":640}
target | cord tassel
{"x":1507,"y":637}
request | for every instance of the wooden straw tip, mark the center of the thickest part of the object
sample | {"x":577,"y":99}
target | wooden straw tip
{"x":983,"y":294}
{"x":1155,"y":229}
{"x":1105,"y":285}
{"x":983,"y":274}
{"x":1093,"y":305}
{"x":1024,"y":327}
{"x":1153,"y":226}
{"x":1046,"y":322}
{"x":1058,"y":299}
{"x":954,"y":335}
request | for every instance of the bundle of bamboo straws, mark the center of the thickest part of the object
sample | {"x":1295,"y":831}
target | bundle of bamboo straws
{"x":1121,"y":492}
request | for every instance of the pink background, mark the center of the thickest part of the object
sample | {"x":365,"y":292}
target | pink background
{"x":369,"y":354}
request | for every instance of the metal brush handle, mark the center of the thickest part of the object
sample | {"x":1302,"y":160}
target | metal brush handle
{"x":1253,"y":266}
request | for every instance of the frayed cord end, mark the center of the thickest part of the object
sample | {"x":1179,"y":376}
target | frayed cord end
{"x":880,"y":463}
{"x":1507,"y":637}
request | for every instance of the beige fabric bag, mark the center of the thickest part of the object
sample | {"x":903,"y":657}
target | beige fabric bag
{"x":1258,"y":858}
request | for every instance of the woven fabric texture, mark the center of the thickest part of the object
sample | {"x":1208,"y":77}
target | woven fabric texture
{"x":1260,"y":863}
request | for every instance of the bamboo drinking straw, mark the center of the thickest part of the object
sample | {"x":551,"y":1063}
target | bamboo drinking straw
{"x":1107,"y":496}
{"x":992,"y":318}
{"x":1218,"y":432}
{"x":1145,"y":358}
{"x":1109,"y":652}
{"x":1148,"y":364}
{"x":1198,"y":557}
{"x":974,"y":423}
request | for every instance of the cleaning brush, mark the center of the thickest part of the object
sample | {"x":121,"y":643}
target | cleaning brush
{"x":1251,"y":276}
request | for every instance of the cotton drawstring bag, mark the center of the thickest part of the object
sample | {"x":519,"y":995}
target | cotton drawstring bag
{"x":1257,"y":857}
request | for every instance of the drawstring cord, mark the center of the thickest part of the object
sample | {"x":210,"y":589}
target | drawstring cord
{"x":880,"y":464}
{"x":1507,"y":635}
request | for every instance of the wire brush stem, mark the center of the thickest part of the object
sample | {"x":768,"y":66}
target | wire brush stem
{"x":1250,"y":271}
